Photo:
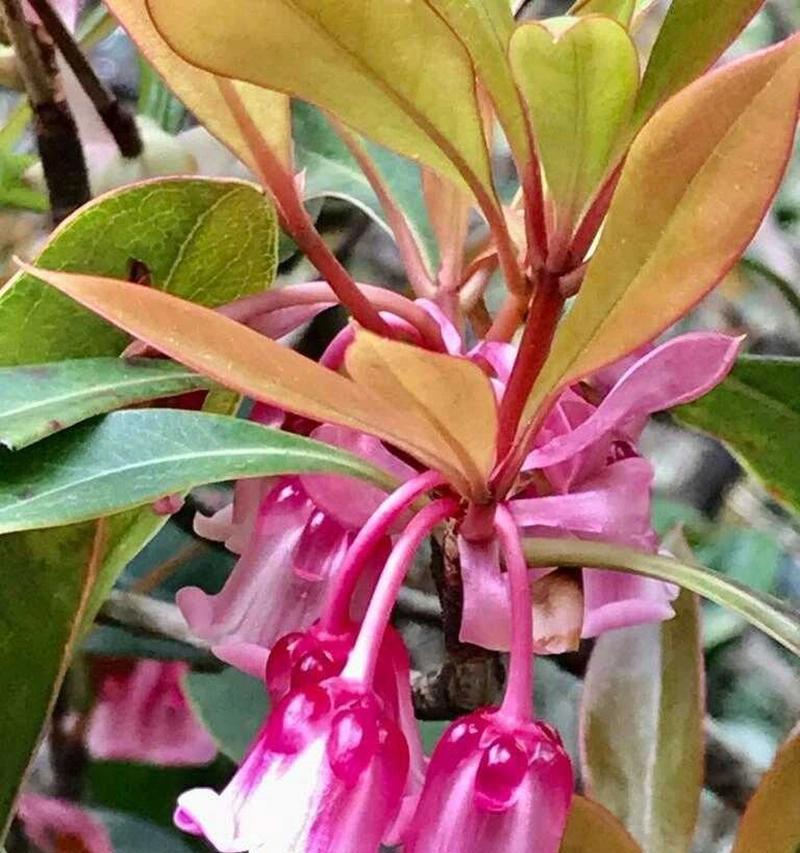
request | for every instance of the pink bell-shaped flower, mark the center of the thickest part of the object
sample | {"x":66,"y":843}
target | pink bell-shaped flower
{"x":491,"y":786}
{"x":498,"y":779}
{"x":142,"y":714}
{"x":328,"y":767}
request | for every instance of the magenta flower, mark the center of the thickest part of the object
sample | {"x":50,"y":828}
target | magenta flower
{"x":55,"y":826}
{"x":142,"y":714}
{"x":493,"y":787}
{"x":328,"y":767}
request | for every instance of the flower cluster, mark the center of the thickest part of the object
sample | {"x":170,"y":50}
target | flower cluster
{"x":307,"y":608}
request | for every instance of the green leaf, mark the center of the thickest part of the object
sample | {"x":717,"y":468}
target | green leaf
{"x":756,"y":412}
{"x":642,"y":715}
{"x":156,"y":101}
{"x":15,"y":191}
{"x":131,"y":834}
{"x":39,"y":400}
{"x":766,"y":612}
{"x":578,"y":78}
{"x":401,"y":77}
{"x":694,"y":34}
{"x":46,"y":583}
{"x":46,"y":577}
{"x":771,"y":822}
{"x":210,"y":241}
{"x":130,"y":458}
{"x":232,"y":706}
{"x":331,"y":170}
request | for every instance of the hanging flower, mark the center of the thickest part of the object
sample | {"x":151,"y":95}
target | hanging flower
{"x":142,"y":714}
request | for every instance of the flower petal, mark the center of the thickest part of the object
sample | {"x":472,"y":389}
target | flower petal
{"x":676,"y":372}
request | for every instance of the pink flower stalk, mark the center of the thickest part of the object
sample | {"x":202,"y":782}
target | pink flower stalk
{"x":498,"y":780}
{"x":331,"y":763}
{"x":55,"y":825}
{"x":142,"y":714}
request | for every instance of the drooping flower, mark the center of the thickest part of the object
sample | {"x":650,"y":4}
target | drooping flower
{"x":142,"y":714}
{"x":331,"y":764}
{"x":493,"y":787}
{"x":328,"y":768}
{"x":54,"y":825}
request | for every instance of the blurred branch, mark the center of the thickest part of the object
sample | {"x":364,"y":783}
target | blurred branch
{"x":57,"y":138}
{"x":119,"y":122}
{"x":149,"y":616}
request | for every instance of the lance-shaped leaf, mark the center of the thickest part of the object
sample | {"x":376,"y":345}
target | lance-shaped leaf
{"x":38,"y":400}
{"x":694,"y":34}
{"x":41,"y":620}
{"x":756,"y":412}
{"x":485,"y":28}
{"x":620,"y":10}
{"x":593,"y":829}
{"x":766,"y":612}
{"x":642,"y":736}
{"x":452,"y":395}
{"x":578,"y":77}
{"x":251,"y":364}
{"x":211,"y":241}
{"x":693,"y":191}
{"x":771,"y":822}
{"x":399,"y":75}
{"x":130,"y":458}
{"x":199,"y":91}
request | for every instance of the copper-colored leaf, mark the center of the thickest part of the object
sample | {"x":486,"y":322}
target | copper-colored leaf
{"x":694,"y":189}
{"x":198,"y":89}
{"x":395,"y":72}
{"x":593,"y":829}
{"x":452,"y":395}
{"x":771,"y":822}
{"x":258,"y":367}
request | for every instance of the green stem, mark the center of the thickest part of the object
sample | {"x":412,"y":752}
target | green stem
{"x":766,"y":612}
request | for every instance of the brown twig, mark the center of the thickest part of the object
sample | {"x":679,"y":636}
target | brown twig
{"x":120,"y":123}
{"x":57,"y":138}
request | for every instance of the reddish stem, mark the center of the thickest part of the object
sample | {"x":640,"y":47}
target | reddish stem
{"x":280,"y":182}
{"x":518,"y":702}
{"x":535,"y":227}
{"x":590,"y":224}
{"x":247,"y":308}
{"x":363,"y":658}
{"x":336,"y":615}
{"x":533,"y":351}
